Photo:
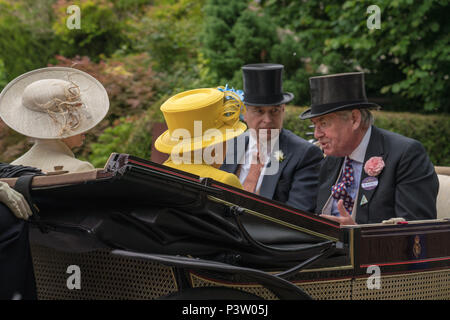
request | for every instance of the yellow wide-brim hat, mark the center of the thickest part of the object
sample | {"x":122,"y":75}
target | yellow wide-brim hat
{"x":53,"y":103}
{"x":200,"y":118}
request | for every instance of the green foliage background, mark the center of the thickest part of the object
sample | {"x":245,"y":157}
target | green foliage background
{"x":144,"y":51}
{"x":431,"y":130}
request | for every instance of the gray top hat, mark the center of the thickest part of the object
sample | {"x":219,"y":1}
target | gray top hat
{"x":337,"y":92}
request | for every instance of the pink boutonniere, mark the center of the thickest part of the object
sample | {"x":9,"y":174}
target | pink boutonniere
{"x":374,"y":166}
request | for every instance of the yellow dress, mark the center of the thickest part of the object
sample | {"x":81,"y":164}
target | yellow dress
{"x":207,"y":171}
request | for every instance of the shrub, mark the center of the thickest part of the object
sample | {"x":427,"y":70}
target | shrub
{"x":101,"y":31}
{"x":407,"y":58}
{"x":113,"y":139}
{"x":131,"y":86}
{"x":132,"y":135}
{"x":406,"y":61}
{"x":431,"y":130}
{"x":129,"y":81}
{"x":26,"y":41}
{"x":235,"y":33}
{"x":3,"y":79}
{"x":12,"y":144}
{"x":168,"y":32}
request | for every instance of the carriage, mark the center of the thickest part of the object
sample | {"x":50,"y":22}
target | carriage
{"x":139,"y":230}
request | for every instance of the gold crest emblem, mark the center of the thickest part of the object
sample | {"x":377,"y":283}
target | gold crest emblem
{"x":417,"y":247}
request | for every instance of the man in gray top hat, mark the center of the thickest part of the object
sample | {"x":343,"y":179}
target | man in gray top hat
{"x":269,"y":160}
{"x":369,"y":174}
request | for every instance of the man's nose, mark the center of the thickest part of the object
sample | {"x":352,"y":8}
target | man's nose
{"x":267,"y":118}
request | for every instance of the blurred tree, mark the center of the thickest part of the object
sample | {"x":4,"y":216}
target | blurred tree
{"x":131,"y":87}
{"x":132,"y":135}
{"x":3,"y":79}
{"x":26,"y":40}
{"x":407,"y":60}
{"x":169,"y":32}
{"x":235,"y":33}
{"x":129,"y":81}
{"x":101,"y":31}
{"x":128,"y":7}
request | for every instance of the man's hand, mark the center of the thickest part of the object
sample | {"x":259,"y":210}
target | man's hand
{"x":344,"y":219}
{"x":15,"y":201}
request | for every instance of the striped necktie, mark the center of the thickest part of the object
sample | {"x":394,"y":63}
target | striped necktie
{"x":253,"y":174}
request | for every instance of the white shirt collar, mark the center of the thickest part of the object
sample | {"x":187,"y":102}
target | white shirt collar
{"x":360,"y":152}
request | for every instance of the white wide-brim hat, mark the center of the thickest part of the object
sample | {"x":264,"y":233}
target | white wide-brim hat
{"x":31,"y":103}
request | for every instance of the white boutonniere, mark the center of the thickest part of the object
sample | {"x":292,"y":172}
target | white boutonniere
{"x":279,"y":155}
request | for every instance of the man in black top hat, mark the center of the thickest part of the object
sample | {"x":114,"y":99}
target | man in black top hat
{"x":369,"y":174}
{"x":269,"y":160}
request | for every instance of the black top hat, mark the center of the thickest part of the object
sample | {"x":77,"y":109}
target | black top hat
{"x":263,"y":85}
{"x":337,"y":92}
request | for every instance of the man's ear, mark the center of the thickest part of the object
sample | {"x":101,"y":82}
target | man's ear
{"x":356,"y":119}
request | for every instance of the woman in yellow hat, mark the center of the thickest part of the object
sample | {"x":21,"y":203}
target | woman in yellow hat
{"x":199,"y":123}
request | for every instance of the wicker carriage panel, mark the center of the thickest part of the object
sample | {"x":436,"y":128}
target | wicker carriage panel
{"x":408,"y":286}
{"x":199,"y":281}
{"x":103,"y":276}
{"x":328,"y":290}
{"x":318,"y":290}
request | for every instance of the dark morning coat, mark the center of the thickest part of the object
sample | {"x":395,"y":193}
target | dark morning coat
{"x":295,"y":182}
{"x":407,"y":186}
